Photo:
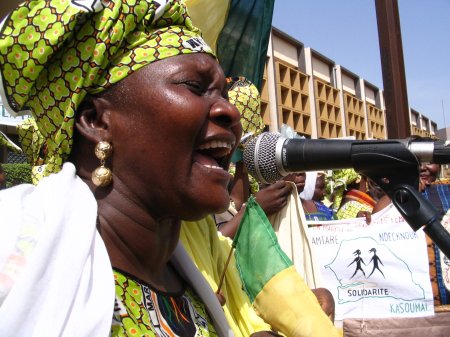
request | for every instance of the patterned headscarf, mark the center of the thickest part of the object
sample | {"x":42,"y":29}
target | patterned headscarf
{"x":54,"y":52}
{"x":337,"y":184}
{"x":245,"y":96}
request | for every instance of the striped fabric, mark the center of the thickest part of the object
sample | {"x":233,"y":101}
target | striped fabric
{"x":277,"y":291}
{"x":238,"y":31}
{"x":439,"y":196}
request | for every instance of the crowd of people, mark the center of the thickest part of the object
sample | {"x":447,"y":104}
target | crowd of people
{"x":102,"y":244}
{"x":345,"y":194}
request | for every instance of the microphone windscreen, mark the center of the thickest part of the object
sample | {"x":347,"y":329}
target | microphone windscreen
{"x":260,"y":157}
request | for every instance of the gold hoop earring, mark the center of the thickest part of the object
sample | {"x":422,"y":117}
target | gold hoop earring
{"x":102,"y":176}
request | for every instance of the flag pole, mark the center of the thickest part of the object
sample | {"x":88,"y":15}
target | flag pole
{"x":222,"y":277}
{"x":233,"y":246}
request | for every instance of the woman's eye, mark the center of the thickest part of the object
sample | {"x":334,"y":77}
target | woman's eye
{"x":195,"y":87}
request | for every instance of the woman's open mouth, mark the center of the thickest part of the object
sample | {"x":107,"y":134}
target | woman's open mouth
{"x":214,"y":154}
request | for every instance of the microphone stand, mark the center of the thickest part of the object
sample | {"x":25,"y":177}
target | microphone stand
{"x":396,"y":171}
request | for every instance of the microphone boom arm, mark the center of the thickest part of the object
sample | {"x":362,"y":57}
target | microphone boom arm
{"x":398,"y":175}
{"x":392,"y":164}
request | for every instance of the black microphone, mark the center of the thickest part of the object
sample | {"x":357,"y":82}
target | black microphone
{"x":270,"y":156}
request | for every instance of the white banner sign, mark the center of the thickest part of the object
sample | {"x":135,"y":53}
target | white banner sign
{"x":374,"y":271}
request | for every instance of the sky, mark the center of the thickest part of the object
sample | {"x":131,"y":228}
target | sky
{"x":346,"y":32}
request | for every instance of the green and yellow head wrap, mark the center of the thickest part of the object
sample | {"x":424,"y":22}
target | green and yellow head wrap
{"x":245,"y":96}
{"x":337,"y":183}
{"x":55,"y":52}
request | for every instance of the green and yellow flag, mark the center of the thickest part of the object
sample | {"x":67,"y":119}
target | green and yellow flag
{"x":277,"y":292}
{"x":238,"y":31}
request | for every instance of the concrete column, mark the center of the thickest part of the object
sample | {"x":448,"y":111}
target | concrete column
{"x":312,"y":96}
{"x":272,"y":88}
{"x":337,"y":74}
{"x":362,"y":93}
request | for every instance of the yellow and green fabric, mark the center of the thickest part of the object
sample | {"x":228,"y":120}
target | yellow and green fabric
{"x":238,"y":31}
{"x":354,"y":202}
{"x":209,"y":252}
{"x":245,"y":96}
{"x":277,"y":292}
{"x":52,"y":57}
{"x":336,"y":185}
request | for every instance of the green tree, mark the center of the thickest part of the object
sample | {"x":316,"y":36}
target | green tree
{"x":17,"y":174}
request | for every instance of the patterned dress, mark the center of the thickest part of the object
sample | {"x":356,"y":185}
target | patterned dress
{"x":354,"y":202}
{"x":141,"y":311}
{"x":323,"y":213}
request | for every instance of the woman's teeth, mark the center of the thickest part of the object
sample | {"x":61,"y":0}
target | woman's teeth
{"x":216,"y":144}
{"x":213,"y":167}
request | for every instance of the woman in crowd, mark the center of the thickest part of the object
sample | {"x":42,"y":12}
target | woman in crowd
{"x":312,"y":198}
{"x":131,"y":107}
{"x":358,"y":198}
{"x":428,"y":173}
{"x":272,"y":198}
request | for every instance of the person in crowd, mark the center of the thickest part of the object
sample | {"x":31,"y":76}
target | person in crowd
{"x":381,"y":204}
{"x":374,"y":190}
{"x":113,"y":87}
{"x":429,"y":172}
{"x":352,"y":194}
{"x":272,"y":197}
{"x":438,"y":193}
{"x":298,"y":179}
{"x":357,"y":200}
{"x":339,"y":182}
{"x":312,"y":198}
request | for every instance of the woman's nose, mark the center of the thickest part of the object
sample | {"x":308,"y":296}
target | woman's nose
{"x":225,"y":113}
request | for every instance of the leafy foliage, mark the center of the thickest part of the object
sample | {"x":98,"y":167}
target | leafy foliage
{"x":17,"y":174}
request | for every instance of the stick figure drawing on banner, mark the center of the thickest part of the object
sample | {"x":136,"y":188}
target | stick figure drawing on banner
{"x":375,"y":260}
{"x":358,"y":259}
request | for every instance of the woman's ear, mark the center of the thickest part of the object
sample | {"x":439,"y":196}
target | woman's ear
{"x":93,"y":119}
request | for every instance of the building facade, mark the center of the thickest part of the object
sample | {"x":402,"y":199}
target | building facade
{"x":307,"y":91}
{"x":321,"y":99}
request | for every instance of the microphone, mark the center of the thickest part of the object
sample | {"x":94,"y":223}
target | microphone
{"x":270,"y":156}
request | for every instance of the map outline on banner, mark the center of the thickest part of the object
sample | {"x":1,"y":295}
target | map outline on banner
{"x":361,"y":298}
{"x":407,"y":290}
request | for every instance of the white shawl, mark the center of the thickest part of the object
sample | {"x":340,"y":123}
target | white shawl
{"x":56,"y":278}
{"x":55,"y":274}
